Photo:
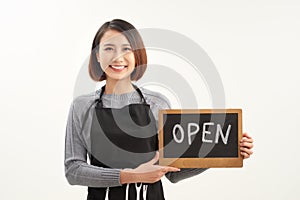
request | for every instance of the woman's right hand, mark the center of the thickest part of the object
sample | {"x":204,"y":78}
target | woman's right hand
{"x":146,"y":173}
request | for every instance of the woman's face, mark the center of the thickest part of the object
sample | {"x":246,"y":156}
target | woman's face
{"x":116,"y":56}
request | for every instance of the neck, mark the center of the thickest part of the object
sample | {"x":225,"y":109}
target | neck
{"x":118,"y":86}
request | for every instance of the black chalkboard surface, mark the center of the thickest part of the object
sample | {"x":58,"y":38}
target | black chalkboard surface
{"x":200,"y":138}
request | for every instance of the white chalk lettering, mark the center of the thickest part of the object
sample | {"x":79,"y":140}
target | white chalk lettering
{"x":206,"y":132}
{"x":220,"y":132}
{"x":181,"y":131}
{"x":190,"y":132}
{"x":193,"y":129}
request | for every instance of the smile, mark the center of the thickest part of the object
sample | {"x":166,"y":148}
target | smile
{"x":117,"y":68}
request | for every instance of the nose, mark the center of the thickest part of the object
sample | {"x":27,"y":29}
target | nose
{"x":119,"y":57}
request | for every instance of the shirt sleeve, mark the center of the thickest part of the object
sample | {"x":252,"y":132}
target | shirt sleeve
{"x":77,"y":170}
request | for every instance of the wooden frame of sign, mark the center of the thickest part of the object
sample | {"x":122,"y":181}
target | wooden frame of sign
{"x":220,"y":154}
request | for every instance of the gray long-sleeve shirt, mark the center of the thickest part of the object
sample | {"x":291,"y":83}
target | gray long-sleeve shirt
{"x":78,"y":146}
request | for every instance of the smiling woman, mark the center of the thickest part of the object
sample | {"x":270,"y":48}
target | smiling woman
{"x":117,"y":125}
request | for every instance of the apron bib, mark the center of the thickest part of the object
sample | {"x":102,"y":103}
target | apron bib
{"x":124,"y":138}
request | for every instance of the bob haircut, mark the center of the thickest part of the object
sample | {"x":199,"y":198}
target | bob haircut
{"x":135,"y":41}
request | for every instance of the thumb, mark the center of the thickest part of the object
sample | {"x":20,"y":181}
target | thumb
{"x":155,"y":159}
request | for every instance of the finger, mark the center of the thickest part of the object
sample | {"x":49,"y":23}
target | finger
{"x":244,"y":139}
{"x":155,"y":159}
{"x":246,"y":150}
{"x":245,"y":155}
{"x":170,"y":169}
{"x":247,"y":135}
{"x":246,"y":145}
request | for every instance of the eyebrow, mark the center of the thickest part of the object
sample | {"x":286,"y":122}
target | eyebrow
{"x":109,"y":44}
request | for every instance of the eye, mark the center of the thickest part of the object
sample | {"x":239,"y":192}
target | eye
{"x":108,"y":49}
{"x":127,"y":49}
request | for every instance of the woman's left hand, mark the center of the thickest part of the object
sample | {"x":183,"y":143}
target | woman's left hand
{"x":246,"y":145}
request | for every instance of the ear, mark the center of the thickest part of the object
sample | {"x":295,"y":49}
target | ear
{"x":97,"y":56}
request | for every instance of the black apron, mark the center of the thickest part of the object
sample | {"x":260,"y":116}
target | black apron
{"x":123,"y":138}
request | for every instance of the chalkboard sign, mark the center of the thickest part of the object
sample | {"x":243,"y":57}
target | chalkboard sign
{"x":202,"y":138}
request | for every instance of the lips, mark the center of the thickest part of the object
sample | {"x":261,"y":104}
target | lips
{"x":117,"y":68}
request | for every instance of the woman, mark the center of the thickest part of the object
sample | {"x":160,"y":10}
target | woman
{"x":116,"y":126}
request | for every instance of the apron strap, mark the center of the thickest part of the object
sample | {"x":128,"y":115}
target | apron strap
{"x":135,"y":87}
{"x":100,"y":96}
{"x":140,"y":93}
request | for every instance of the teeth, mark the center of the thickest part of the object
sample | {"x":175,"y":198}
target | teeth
{"x":117,"y":67}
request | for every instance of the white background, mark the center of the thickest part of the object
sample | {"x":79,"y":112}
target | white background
{"x":254,"y":45}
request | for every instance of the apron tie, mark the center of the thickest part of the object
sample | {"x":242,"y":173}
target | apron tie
{"x":145,"y":189}
{"x":106,"y":195}
{"x":138,"y":190}
{"x":127,"y":192}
